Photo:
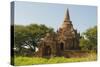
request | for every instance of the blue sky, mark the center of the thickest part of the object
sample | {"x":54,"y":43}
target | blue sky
{"x":52,"y":15}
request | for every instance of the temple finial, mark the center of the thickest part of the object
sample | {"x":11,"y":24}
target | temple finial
{"x":67,"y":16}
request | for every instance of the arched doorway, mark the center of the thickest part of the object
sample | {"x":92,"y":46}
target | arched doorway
{"x":47,"y":51}
{"x":61,"y":46}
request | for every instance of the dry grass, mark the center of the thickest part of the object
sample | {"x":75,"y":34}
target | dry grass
{"x":36,"y":60}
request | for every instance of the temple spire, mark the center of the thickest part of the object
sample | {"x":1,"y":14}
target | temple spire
{"x":66,"y":19}
{"x":67,"y":16}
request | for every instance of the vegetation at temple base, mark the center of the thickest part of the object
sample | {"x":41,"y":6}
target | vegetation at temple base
{"x":36,"y":60}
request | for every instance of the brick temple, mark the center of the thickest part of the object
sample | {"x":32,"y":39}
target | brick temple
{"x":58,"y":44}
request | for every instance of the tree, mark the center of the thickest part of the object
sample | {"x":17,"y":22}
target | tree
{"x":29,"y":36}
{"x":89,"y":39}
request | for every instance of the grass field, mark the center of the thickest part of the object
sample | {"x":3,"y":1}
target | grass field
{"x":19,"y":60}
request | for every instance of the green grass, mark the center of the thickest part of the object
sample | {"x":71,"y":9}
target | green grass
{"x":36,"y":60}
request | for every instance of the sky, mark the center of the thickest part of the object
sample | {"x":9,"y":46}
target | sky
{"x":52,"y":15}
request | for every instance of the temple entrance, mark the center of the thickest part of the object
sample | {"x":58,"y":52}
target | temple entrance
{"x":61,"y":46}
{"x":47,"y":51}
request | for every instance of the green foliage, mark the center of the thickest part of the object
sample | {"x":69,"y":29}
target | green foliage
{"x":36,"y":60}
{"x":84,"y":44}
{"x":29,"y":36}
{"x":89,"y":39}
